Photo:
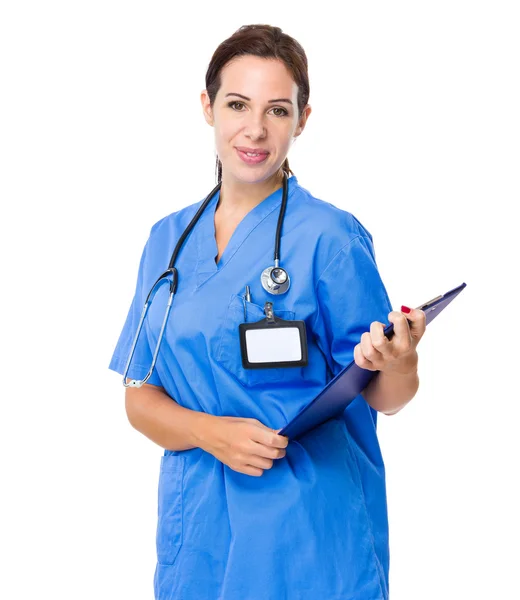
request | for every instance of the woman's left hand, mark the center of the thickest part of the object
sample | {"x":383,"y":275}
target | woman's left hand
{"x":376,"y":352}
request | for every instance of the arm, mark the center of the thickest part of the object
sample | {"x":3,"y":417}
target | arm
{"x":156,"y":415}
{"x":390,"y":392}
{"x":245,"y":445}
{"x":397,"y":381}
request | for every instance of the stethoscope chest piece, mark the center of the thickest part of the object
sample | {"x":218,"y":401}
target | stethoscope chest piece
{"x":275,"y":280}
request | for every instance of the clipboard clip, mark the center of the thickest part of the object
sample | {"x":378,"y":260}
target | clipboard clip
{"x":429,"y":302}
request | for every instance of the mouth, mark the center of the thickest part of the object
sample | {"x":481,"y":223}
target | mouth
{"x":252,"y":157}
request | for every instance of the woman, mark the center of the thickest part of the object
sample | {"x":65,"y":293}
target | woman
{"x":243,"y":514}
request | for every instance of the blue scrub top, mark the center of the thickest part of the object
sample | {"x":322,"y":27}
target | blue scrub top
{"x":314,"y":526}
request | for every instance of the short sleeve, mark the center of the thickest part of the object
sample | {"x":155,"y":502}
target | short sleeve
{"x":350,"y":295}
{"x":142,"y":358}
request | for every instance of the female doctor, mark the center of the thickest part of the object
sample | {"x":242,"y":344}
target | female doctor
{"x":243,"y":514}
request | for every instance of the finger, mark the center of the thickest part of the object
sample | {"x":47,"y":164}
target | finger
{"x":383,"y":347}
{"x":260,"y":462}
{"x":361,"y":351}
{"x":268,"y":437}
{"x":277,"y":431}
{"x":272,"y":438}
{"x":416,"y":321}
{"x":267,"y":451}
{"x":402,"y":339}
{"x":249,"y":470}
{"x":370,"y":353}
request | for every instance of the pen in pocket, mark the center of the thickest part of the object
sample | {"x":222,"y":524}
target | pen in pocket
{"x":247,"y":298}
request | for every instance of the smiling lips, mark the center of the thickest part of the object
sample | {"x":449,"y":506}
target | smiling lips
{"x":252,"y":150}
{"x":252,"y":156}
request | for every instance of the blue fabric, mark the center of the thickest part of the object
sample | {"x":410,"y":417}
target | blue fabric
{"x":314,"y":526}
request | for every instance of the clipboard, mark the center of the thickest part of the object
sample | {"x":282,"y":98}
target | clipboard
{"x":352,"y":379}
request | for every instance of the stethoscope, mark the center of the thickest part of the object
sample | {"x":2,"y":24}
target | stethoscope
{"x":275,"y":280}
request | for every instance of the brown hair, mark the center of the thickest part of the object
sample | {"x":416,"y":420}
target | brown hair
{"x":267,"y":42}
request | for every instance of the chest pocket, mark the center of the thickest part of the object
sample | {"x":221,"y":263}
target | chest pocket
{"x":228,"y":352}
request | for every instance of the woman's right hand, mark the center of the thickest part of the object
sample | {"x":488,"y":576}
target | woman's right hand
{"x":245,"y":445}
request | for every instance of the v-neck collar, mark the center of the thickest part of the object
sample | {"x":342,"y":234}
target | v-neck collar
{"x":205,"y":231}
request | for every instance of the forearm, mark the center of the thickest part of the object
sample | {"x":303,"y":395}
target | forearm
{"x":157,"y":416}
{"x":389,"y":392}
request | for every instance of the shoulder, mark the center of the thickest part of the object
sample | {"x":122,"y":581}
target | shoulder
{"x":172,"y":225}
{"x":329,"y":229}
{"x":328,"y":219}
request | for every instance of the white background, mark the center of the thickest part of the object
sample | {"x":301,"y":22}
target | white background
{"x":414,"y":129}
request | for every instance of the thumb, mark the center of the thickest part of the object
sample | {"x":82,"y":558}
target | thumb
{"x":416,"y":320}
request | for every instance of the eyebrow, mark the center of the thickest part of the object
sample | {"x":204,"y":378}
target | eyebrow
{"x":246,"y":98}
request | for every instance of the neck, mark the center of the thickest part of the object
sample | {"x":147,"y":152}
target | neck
{"x":239,"y":197}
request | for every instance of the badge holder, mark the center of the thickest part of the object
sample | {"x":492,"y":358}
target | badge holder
{"x":273,"y":342}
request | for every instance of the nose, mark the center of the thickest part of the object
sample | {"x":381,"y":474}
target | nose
{"x":255,"y":127}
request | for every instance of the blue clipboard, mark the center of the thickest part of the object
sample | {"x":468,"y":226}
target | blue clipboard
{"x":352,"y":380}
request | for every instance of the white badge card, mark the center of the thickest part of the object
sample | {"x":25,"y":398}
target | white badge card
{"x":273,"y":342}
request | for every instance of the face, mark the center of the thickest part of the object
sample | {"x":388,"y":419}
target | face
{"x":255,"y":108}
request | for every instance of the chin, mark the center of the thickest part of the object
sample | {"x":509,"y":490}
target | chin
{"x":247,"y":174}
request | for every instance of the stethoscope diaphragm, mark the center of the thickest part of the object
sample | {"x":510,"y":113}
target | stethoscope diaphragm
{"x":275,"y":280}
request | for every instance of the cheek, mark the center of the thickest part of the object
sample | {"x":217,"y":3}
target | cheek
{"x":227,"y":136}
{"x":284,"y":143}
{"x":284,"y":135}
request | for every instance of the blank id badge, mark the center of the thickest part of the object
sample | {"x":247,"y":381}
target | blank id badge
{"x":273,"y":342}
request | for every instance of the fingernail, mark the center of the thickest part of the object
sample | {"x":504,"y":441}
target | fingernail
{"x":405,"y":309}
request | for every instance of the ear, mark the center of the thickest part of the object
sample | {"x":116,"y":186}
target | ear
{"x":206,"y":107}
{"x":302,"y":121}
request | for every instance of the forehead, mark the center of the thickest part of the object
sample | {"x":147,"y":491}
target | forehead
{"x":257,"y":77}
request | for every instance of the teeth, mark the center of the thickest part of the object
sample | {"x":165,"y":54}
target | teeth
{"x":251,"y":154}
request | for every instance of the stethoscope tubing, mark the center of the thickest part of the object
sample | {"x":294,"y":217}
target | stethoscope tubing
{"x":172,"y":270}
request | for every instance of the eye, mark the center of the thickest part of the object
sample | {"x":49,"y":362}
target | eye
{"x":231,"y":104}
{"x":284,"y":112}
{"x":234,"y":103}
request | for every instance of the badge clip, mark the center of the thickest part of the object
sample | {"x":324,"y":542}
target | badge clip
{"x":268,"y":310}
